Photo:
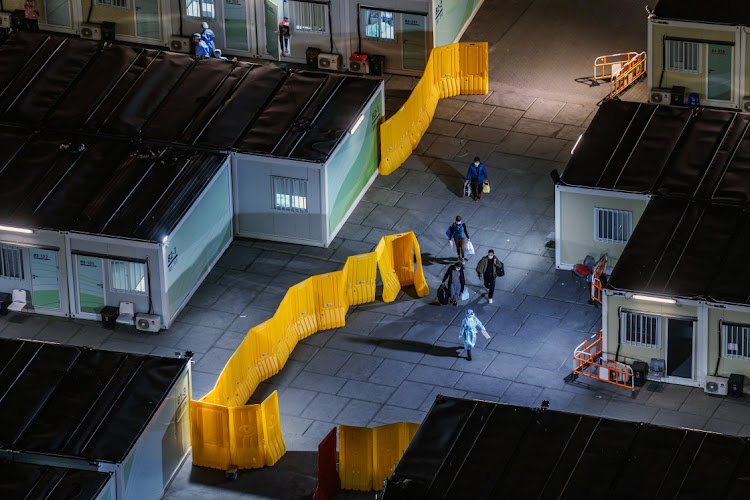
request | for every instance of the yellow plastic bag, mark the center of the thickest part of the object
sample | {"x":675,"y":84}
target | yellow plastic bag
{"x":486,"y":187}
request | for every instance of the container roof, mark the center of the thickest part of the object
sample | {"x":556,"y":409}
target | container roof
{"x":672,"y":151}
{"x":56,"y":82}
{"x":78,"y":402}
{"x":735,"y":12}
{"x":113,"y":187}
{"x":690,"y":249}
{"x":482,"y":450}
{"x":19,"y":480}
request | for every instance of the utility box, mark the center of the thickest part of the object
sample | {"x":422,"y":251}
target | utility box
{"x":640,"y":369}
{"x":109,"y":316}
{"x":736,"y":383}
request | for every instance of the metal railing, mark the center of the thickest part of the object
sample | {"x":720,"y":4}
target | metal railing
{"x":588,"y":361}
{"x":622,"y":70}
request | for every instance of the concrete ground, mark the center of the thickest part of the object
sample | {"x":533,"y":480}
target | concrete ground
{"x":389,"y":361}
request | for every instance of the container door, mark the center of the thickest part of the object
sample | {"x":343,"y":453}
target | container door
{"x":45,"y":283}
{"x":90,"y":272}
{"x":413,"y":41}
{"x":719,"y":72}
{"x":680,"y":348}
{"x":57,"y":12}
{"x":271,"y":16}
{"x":147,"y":19}
{"x":235,"y":24}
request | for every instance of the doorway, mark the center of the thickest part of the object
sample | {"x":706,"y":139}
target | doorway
{"x":45,"y":280}
{"x":147,"y":19}
{"x":680,"y":346}
{"x":90,"y":280}
{"x":719,"y":74}
{"x":413,"y":36}
{"x":57,"y":13}
{"x":235,"y":24}
{"x":271,"y":16}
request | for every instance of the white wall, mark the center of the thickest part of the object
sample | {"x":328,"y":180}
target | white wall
{"x":255,"y":216}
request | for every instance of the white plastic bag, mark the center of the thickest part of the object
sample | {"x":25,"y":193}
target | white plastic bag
{"x":467,"y":189}
{"x":465,"y":293}
{"x":451,"y":242}
{"x":486,"y":335}
{"x":469,"y":248}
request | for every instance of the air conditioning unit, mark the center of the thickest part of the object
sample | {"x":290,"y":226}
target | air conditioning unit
{"x":5,"y":20}
{"x":746,"y":104}
{"x":91,"y":31}
{"x":180,"y":44}
{"x":329,"y":61}
{"x":148,"y":322}
{"x":660,"y":96}
{"x":359,"y":67}
{"x":716,"y":385}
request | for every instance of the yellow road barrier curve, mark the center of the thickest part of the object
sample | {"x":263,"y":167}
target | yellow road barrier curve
{"x":367,"y":456}
{"x":226,"y":432}
{"x":458,"y":68}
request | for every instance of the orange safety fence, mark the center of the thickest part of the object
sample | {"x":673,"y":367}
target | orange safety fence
{"x":597,"y":282}
{"x":589,"y":361}
{"x":226,"y":432}
{"x":458,"y":68}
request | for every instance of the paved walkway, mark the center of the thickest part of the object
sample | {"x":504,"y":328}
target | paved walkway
{"x":390,"y":360}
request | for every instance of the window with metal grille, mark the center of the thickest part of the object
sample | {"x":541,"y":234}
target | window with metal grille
{"x":120,"y":4}
{"x":289,"y":194}
{"x":642,"y":330}
{"x":11,"y":263}
{"x":200,"y":8}
{"x":128,"y":277}
{"x":735,"y":341}
{"x":683,"y":56}
{"x":378,"y":24}
{"x":310,"y":17}
{"x":612,"y":226}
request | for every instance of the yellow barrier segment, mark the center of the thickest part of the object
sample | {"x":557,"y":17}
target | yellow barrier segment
{"x":355,"y":458}
{"x":226,"y":432}
{"x":367,"y":456}
{"x":458,"y":68}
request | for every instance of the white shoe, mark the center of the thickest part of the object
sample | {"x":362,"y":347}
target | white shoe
{"x":490,"y":301}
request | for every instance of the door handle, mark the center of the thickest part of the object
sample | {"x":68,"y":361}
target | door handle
{"x":100,"y":285}
{"x":34,"y":276}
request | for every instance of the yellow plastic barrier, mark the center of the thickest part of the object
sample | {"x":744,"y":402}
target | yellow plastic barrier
{"x":367,"y":456}
{"x":458,"y":68}
{"x":225,"y":431}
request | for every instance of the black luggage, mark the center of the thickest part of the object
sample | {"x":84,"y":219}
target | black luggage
{"x":443,"y":295}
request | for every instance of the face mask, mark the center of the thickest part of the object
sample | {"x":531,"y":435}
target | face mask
{"x":458,"y":222}
{"x":476,"y":163}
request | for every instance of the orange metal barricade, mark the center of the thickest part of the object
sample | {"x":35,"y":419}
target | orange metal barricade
{"x":597,"y":281}
{"x":622,"y":70}
{"x":588,"y":361}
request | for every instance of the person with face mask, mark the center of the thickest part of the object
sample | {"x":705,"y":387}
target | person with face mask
{"x":488,"y":269}
{"x":477,"y":175}
{"x":469,"y":327}
{"x":454,"y":277}
{"x":459,"y":233}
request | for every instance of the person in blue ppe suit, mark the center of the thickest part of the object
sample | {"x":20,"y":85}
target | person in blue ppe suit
{"x":207,"y":35}
{"x":201,"y":49}
{"x":468,"y":334}
{"x":476,"y":176}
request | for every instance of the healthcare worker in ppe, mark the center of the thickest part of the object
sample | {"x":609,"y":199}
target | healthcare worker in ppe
{"x":469,"y":328}
{"x":201,"y":49}
{"x":207,"y":35}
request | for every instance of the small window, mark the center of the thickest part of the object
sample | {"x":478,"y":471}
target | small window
{"x":289,"y":194}
{"x":682,"y":56}
{"x":735,"y":341}
{"x":11,"y":263}
{"x":642,"y":330}
{"x":378,"y":24}
{"x":309,"y":17}
{"x":200,"y":8}
{"x":128,"y":277}
{"x":612,"y":226}
{"x":120,"y":4}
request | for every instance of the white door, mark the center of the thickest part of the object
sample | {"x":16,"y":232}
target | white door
{"x":147,"y":23}
{"x":45,"y":279}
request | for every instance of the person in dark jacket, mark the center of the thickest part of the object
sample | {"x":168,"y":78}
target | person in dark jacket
{"x":488,"y":269}
{"x":476,"y":176}
{"x":459,"y":233}
{"x":456,"y":281}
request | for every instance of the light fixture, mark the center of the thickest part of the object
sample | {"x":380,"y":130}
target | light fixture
{"x":356,"y":125}
{"x":576,"y":144}
{"x":164,"y":240}
{"x":16,"y":229}
{"x":654,"y":299}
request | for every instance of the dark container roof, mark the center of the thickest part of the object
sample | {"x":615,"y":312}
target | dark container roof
{"x":55,"y":82}
{"x":19,"y":480}
{"x":478,"y":450}
{"x":689,"y":249}
{"x":78,"y":402}
{"x":664,"y":150}
{"x":734,"y":12}
{"x":113,"y":187}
